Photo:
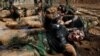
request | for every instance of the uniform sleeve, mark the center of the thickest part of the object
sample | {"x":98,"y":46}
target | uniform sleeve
{"x":62,"y":33}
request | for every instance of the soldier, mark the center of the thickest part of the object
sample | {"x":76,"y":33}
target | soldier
{"x":11,"y":3}
{"x":14,"y":13}
{"x":48,"y":2}
{"x":73,"y":23}
{"x":37,"y":1}
{"x":70,"y":20}
{"x":56,"y":34}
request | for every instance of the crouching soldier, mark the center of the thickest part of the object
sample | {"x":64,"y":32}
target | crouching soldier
{"x":56,"y":34}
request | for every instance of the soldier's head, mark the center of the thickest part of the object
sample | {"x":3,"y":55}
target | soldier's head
{"x":62,"y":8}
{"x":51,"y":12}
{"x":11,"y":2}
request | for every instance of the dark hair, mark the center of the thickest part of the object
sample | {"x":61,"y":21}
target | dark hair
{"x":62,"y":8}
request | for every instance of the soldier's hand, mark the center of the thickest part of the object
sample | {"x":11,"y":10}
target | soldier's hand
{"x":68,"y":22}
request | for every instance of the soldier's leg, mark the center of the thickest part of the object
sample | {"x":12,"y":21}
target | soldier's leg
{"x":70,"y":50}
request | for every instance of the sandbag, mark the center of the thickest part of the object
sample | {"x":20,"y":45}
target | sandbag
{"x":4,"y":13}
{"x":35,"y":24}
{"x":8,"y":22}
{"x":32,"y":21}
{"x":23,"y":40}
{"x":2,"y":25}
{"x":11,"y":24}
{"x":8,"y":36}
{"x":19,"y":53}
{"x":29,"y":12}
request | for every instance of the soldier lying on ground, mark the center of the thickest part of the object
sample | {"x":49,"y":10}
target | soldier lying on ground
{"x":56,"y":34}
